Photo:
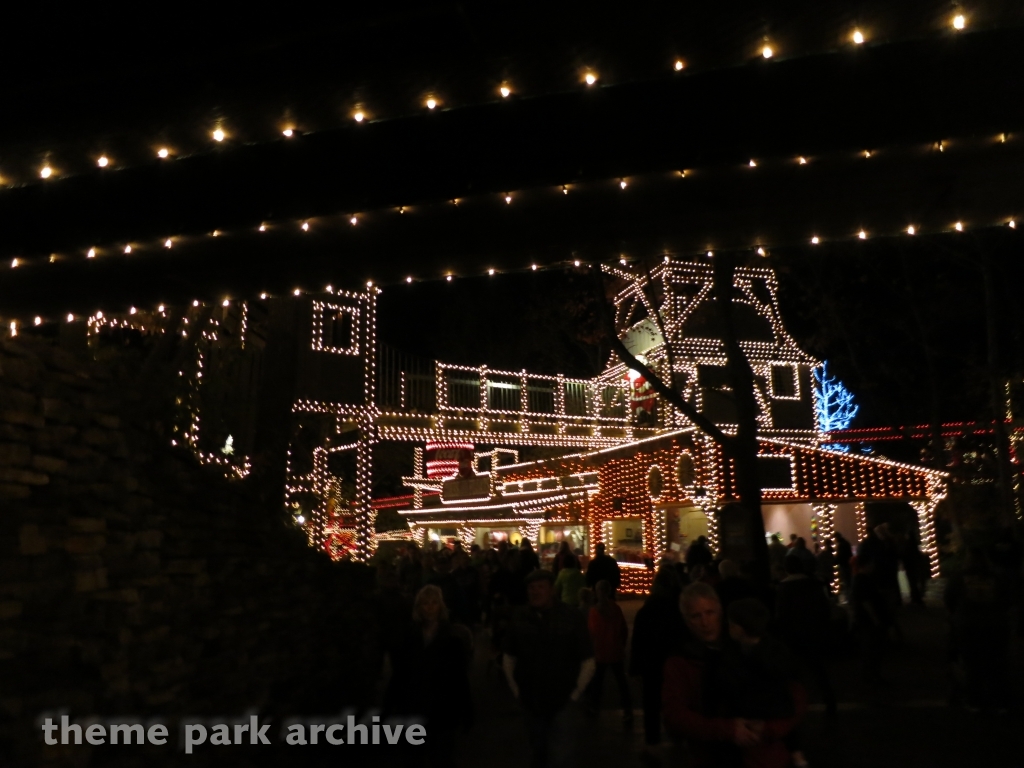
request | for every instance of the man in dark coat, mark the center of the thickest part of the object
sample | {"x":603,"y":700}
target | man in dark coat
{"x":548,"y":662}
{"x":658,"y":631}
{"x":603,"y":568}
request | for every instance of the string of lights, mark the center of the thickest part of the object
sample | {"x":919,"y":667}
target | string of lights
{"x":343,"y":221}
{"x":223,"y":132}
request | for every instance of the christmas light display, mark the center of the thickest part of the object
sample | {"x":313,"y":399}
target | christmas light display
{"x":833,"y":404}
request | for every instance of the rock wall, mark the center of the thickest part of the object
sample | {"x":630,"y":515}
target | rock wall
{"x":135,"y":582}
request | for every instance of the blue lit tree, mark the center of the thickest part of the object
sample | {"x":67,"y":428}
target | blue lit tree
{"x":834,"y":404}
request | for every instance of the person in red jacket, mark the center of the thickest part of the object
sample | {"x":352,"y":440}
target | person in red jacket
{"x":608,"y":633}
{"x":696,"y":703}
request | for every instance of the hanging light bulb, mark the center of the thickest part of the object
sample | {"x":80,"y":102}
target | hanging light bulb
{"x":752,"y":164}
{"x":576,"y":263}
{"x":1012,"y":224}
{"x":858,"y":37}
{"x":911,"y":230}
{"x":263,"y":295}
{"x":408,"y":279}
{"x":359,"y":116}
{"x":46,"y":171}
{"x":815,"y":240}
{"x":505,"y":91}
{"x":760,"y":251}
{"x":195,"y":302}
{"x":353,"y":221}
{"x":490,"y":271}
{"x":91,"y":253}
{"x":431,"y":103}
{"x":679,"y":65}
{"x":263,"y":227}
{"x":37,"y":321}
{"x":305,"y":226}
{"x":127,"y":249}
{"x":959,"y":226}
{"x":767,"y":52}
{"x":103,"y":161}
{"x":168,"y":243}
{"x":448,"y":278}
{"x":218,"y":135}
{"x":590,"y":78}
{"x":288,"y":132}
{"x":71,"y":318}
{"x":160,"y":308}
{"x":862,"y":235}
{"x":802,"y":160}
{"x":565,"y":190}
{"x":959,"y":22}
{"x":296,"y":292}
{"x":508,"y":199}
{"x":131,"y":310}
{"x":163,"y":152}
{"x":226,"y":303}
{"x":622,"y":184}
{"x":867,"y":153}
{"x":14,"y":263}
{"x":533,"y":267}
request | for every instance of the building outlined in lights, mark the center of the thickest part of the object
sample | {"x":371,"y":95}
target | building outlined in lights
{"x":636,"y":474}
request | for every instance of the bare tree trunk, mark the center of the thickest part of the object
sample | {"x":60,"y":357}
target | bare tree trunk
{"x":744,"y":448}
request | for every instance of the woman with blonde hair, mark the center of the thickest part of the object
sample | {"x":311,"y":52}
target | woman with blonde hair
{"x":430,"y":675}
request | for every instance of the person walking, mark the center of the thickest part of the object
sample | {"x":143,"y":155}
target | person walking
{"x":430,"y":676}
{"x":658,"y":632}
{"x":698,"y":553}
{"x":609,"y":634}
{"x":561,"y":557}
{"x":804,"y":616}
{"x":569,"y":582}
{"x":603,"y":568}
{"x":548,"y":662}
{"x":804,"y":556}
{"x":694,"y":696}
{"x":777,"y":557}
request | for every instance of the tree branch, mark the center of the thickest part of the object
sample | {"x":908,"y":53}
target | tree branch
{"x":703,"y":423}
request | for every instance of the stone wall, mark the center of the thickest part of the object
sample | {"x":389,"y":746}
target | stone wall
{"x":135,"y":582}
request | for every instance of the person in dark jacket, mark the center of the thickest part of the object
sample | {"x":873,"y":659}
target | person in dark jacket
{"x":694,"y":696}
{"x":699,"y":553}
{"x":528,"y":560}
{"x":804,"y":616}
{"x":548,"y":662}
{"x":658,"y":631}
{"x":430,"y":676}
{"x":603,"y":568}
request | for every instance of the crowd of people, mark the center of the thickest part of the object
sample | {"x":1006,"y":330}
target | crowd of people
{"x":725,"y":662}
